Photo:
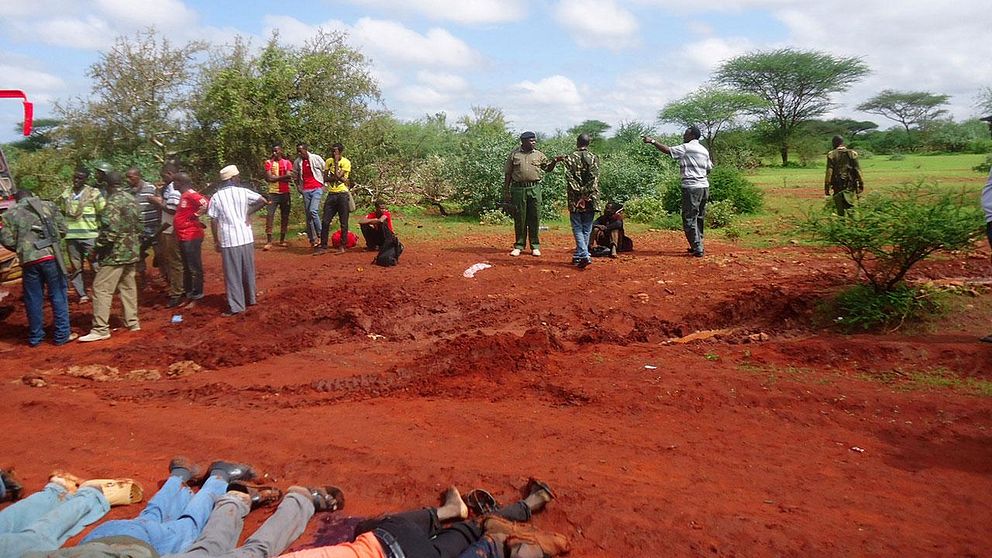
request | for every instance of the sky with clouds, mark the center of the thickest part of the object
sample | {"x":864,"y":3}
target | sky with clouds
{"x":549,"y":64}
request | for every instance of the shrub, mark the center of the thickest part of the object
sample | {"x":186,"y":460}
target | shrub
{"x":494,"y":217}
{"x":720,"y":214}
{"x":643,"y":210}
{"x":985,"y":166}
{"x":667,"y":221}
{"x":726,"y":184}
{"x":861,"y":308}
{"x":897,"y":157}
{"x":887,"y":234}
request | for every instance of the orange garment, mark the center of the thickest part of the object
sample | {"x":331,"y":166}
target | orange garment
{"x":365,"y":546}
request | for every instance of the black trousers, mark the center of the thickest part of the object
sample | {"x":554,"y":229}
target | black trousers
{"x":374,"y":237}
{"x":420,"y":535}
{"x":192,"y":267}
{"x":336,"y":205}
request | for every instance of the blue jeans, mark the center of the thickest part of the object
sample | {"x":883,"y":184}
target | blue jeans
{"x":36,"y":277}
{"x":311,"y":201}
{"x":172,"y":520}
{"x":581,"y":230}
{"x":46,"y":519}
{"x":694,"y":215}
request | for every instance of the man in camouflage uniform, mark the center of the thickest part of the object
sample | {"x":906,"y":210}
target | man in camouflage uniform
{"x":118,"y":248}
{"x":525,"y":167}
{"x":582,"y":177}
{"x":843,"y":176}
{"x":34,"y":229}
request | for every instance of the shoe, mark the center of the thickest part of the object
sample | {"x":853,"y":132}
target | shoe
{"x":72,"y":337}
{"x":12,"y":487}
{"x":267,"y":247}
{"x":135,"y":327}
{"x":119,"y":492}
{"x":259,"y":496}
{"x":535,"y":252}
{"x":174,"y":301}
{"x":515,"y":252}
{"x":283,"y":243}
{"x":534,"y":485}
{"x":584,"y":263}
{"x":986,"y":339}
{"x":324,"y":498}
{"x":481,"y":502}
{"x":229,"y":314}
{"x":84,"y":299}
{"x":231,"y":472}
{"x":371,"y":248}
{"x":91,"y":336}
{"x":319,"y":250}
{"x":183,"y":467}
{"x":698,"y":254}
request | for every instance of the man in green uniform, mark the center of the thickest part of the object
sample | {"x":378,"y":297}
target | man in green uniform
{"x":525,"y":167}
{"x":81,"y":204}
{"x":118,"y":248}
{"x":582,"y":177}
{"x":34,"y":229}
{"x":843,"y":176}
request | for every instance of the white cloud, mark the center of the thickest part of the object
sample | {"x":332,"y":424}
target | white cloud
{"x":421,"y":96}
{"x":442,"y":81}
{"x":163,"y":14}
{"x":395,"y":43}
{"x":33,"y":82}
{"x":460,"y":11}
{"x":597,"y":23}
{"x":554,"y":90}
{"x":89,"y":32}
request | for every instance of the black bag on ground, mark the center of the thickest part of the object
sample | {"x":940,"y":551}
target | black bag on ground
{"x":390,"y":251}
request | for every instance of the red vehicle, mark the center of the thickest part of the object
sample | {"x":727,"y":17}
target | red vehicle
{"x":9,"y":269}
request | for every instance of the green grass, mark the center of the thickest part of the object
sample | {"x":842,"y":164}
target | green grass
{"x":932,"y":379}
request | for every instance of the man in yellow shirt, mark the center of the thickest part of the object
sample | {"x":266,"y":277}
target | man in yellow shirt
{"x":338,"y":198}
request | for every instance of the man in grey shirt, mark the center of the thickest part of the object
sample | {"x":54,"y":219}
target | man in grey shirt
{"x":694,"y":166}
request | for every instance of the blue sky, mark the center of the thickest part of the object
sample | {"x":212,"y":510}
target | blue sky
{"x":548,"y":64}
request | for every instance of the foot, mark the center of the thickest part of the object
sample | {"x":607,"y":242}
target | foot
{"x":324,"y":498}
{"x":515,"y":252}
{"x":481,"y":502}
{"x":231,"y":472}
{"x":454,"y":507}
{"x":229,"y":314}
{"x":174,"y":301}
{"x":697,"y":254}
{"x":613,"y":250}
{"x":72,"y":337}
{"x":184,"y":468}
{"x":584,"y":263}
{"x":341,"y":250}
{"x":84,"y":299}
{"x":135,"y":327}
{"x":12,"y":487}
{"x":690,"y":250}
{"x":538,"y":494}
{"x":92,"y":336}
{"x":66,"y":480}
{"x":986,"y":339}
{"x":371,"y":248}
{"x":535,"y":252}
{"x":283,"y":244}
{"x":267,"y":247}
{"x":319,"y":250}
{"x":258,"y":496}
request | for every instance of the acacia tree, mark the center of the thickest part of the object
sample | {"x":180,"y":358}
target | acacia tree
{"x":795,"y":84}
{"x":139,"y":99}
{"x":712,"y":109}
{"x":909,"y":108}
{"x":595,"y":128}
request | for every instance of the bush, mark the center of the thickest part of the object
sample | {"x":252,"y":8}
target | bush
{"x":984,"y":167}
{"x":495,"y":217}
{"x":668,"y":222}
{"x":720,"y":214}
{"x":861,"y":308}
{"x":897,"y":157}
{"x":887,"y":234}
{"x":643,"y":210}
{"x":726,"y":184}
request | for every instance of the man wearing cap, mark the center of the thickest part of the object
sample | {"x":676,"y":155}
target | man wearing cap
{"x":694,"y":166}
{"x":230,"y":210}
{"x":843,"y":176}
{"x":81,"y":204}
{"x":525,"y":167}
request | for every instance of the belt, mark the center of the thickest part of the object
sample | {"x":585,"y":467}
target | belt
{"x":390,"y":547}
{"x":525,"y":184}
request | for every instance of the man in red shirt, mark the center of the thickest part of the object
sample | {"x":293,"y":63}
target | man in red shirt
{"x":372,"y":226}
{"x":308,"y":170}
{"x":278,"y":171}
{"x":189,"y":233}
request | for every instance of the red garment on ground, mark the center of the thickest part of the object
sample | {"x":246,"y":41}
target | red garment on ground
{"x":336,"y":239}
{"x":187,"y":223}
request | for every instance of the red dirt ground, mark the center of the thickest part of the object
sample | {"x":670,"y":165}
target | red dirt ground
{"x":725,"y":447}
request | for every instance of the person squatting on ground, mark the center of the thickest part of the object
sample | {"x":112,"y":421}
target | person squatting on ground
{"x":230,"y":210}
{"x":281,"y":529}
{"x":117,"y":248}
{"x":170,"y":523}
{"x":278,"y":172}
{"x":45,"y":520}
{"x":522,"y":174}
{"x":308,"y":171}
{"x":608,"y":231}
{"x":374,"y":226}
{"x":582,"y":179}
{"x":151,"y":219}
{"x":843,"y":176}
{"x":81,"y":204}
{"x":33,"y":228}
{"x":694,"y":167}
{"x":338,"y":202}
{"x":189,"y":233}
{"x":168,"y":245}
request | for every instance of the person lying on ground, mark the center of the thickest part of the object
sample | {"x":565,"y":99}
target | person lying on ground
{"x":290,"y":519}
{"x":421,"y":534}
{"x":373,"y":226}
{"x":172,"y":521}
{"x":608,"y":232}
{"x":43,"y":521}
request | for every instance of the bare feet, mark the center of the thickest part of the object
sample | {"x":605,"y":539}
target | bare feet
{"x":454,"y":507}
{"x":66,"y":480}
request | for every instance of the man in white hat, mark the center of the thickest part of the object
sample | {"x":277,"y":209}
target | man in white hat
{"x":230,"y":210}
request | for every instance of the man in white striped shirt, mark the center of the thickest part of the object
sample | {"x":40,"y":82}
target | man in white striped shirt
{"x":230,"y":212}
{"x":694,"y":165}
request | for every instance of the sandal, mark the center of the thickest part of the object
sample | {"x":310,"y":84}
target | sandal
{"x":326,"y":498}
{"x":534,"y":485}
{"x":119,"y":492}
{"x":259,"y":495}
{"x":481,"y":502}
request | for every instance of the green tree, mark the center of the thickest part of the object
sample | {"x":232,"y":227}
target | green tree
{"x":909,"y":108}
{"x":983,"y":101}
{"x":796,"y":85}
{"x":43,"y":134}
{"x":595,"y":128}
{"x":139,"y":99}
{"x":712,"y":109}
